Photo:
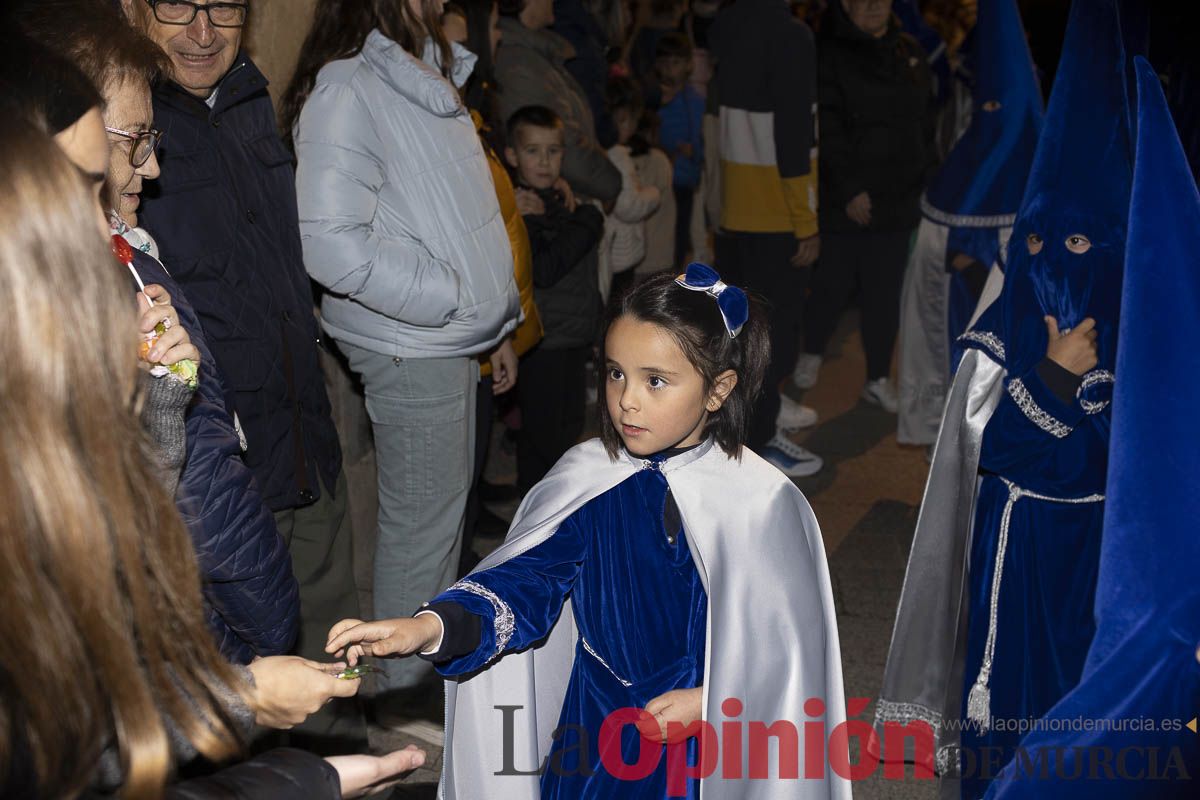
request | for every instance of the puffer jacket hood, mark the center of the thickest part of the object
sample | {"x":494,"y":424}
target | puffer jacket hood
{"x":414,"y":80}
{"x":398,"y":214}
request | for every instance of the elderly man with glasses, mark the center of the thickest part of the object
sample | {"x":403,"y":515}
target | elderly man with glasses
{"x":224,"y":214}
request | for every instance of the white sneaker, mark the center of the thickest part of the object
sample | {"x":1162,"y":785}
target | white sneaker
{"x":807,"y":367}
{"x":793,"y":416}
{"x":792,"y":459}
{"x":879,"y":392}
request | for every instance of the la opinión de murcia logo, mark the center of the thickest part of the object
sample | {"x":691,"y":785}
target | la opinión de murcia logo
{"x":738,"y":749}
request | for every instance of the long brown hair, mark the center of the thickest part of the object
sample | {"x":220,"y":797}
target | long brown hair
{"x":102,"y":635}
{"x":339,"y":30}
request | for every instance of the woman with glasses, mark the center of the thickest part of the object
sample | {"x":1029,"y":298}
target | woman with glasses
{"x":251,"y":593}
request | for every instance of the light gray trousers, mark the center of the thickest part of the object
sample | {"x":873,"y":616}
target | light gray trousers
{"x":423,"y":417}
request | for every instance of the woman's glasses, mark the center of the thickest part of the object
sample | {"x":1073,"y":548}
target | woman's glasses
{"x":142,"y":143}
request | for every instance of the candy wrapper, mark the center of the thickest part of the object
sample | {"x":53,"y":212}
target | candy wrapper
{"x":185,"y":370}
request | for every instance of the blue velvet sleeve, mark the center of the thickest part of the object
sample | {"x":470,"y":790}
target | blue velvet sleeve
{"x":1029,"y":421}
{"x":519,"y":600}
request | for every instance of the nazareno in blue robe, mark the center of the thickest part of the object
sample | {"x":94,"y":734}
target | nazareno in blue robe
{"x":1039,"y":512}
{"x":640,"y":608}
{"x":1142,"y":666}
{"x":968,"y":208}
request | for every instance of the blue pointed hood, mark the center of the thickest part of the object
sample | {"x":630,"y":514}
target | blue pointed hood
{"x":978,"y":189}
{"x":1151,"y":547}
{"x":1078,"y":187}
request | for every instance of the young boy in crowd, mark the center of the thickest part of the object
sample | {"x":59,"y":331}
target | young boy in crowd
{"x":681,"y":113}
{"x":563,"y":238}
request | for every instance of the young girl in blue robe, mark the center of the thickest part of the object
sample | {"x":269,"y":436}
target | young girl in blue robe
{"x":662,"y":569}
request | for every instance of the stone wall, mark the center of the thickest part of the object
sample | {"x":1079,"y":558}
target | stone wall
{"x":273,"y":37}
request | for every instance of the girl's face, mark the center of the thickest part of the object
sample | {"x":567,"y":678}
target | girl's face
{"x":86,"y":145}
{"x":626,"y":122}
{"x":656,"y":398}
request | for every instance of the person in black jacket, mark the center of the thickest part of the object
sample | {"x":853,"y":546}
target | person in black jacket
{"x":563,"y":238}
{"x":224,"y":215}
{"x":876,"y":105}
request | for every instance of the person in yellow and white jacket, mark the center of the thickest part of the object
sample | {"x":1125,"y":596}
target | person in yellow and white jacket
{"x":765,"y":89}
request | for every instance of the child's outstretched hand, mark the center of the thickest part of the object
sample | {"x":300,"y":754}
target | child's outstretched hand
{"x":386,"y":637}
{"x":681,"y":706}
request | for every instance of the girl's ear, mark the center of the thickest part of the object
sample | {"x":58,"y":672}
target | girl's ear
{"x":722,"y":386}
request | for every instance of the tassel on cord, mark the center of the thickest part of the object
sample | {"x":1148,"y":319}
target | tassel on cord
{"x":979,"y":703}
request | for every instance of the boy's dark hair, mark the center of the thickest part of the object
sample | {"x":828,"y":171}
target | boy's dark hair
{"x":673,"y":44}
{"x":532,"y":116}
{"x":694,"y":321}
{"x":626,"y":93}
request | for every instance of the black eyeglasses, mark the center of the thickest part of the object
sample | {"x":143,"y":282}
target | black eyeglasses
{"x":144,"y":143}
{"x":182,"y":12}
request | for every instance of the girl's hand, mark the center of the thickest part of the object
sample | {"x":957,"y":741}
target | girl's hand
{"x":362,"y":775}
{"x":682,"y":706}
{"x":1074,"y":350}
{"x":174,"y":344}
{"x":504,"y":367}
{"x":562,"y":187}
{"x":387,"y":637}
{"x":529,"y":204}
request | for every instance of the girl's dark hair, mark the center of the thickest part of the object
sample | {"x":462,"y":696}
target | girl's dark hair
{"x":37,"y":83}
{"x":623,"y":92}
{"x":481,"y":92}
{"x":694,"y":321}
{"x":339,"y":30}
{"x":646,"y":136}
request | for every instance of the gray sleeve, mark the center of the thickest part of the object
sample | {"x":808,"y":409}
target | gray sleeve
{"x":165,"y":407}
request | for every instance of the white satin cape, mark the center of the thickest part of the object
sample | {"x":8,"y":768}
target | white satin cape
{"x":772,"y":637}
{"x":923,"y":361}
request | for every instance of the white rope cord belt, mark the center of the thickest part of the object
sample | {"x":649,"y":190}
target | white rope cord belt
{"x":979,"y":701}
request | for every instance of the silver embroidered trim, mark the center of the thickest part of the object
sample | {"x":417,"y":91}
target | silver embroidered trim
{"x":1036,"y":414}
{"x":966,"y":220}
{"x":504,"y":623}
{"x":979,"y":699}
{"x":603,"y":663}
{"x":1096,"y":376}
{"x":904,"y":713}
{"x":989,"y":340}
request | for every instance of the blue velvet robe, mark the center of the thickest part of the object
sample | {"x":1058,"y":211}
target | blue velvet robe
{"x":641,"y":611}
{"x":1045,"y":612}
